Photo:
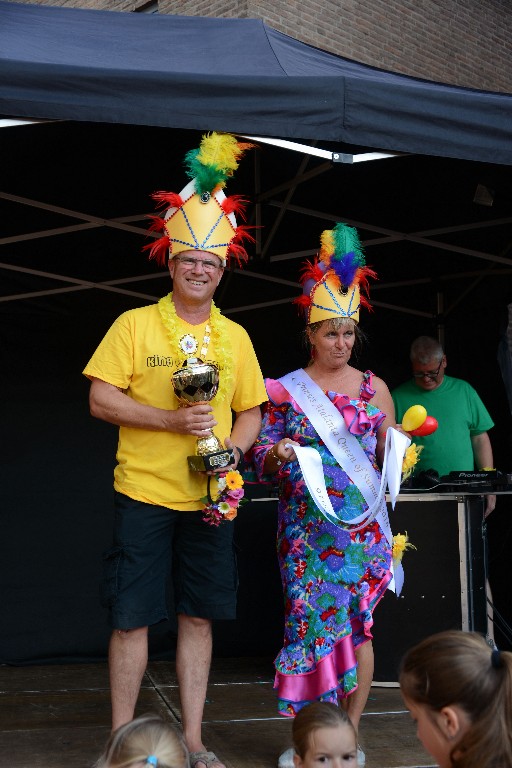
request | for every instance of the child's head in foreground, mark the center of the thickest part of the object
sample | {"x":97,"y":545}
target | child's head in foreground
{"x":459,"y":692}
{"x":323,"y":733}
{"x":145,"y":742}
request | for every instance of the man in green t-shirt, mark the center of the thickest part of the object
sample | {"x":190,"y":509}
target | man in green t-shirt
{"x":461,"y":441}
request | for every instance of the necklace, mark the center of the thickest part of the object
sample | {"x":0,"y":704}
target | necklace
{"x":216,"y":329}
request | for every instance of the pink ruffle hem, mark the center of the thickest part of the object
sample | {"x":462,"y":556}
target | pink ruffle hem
{"x":309,"y":686}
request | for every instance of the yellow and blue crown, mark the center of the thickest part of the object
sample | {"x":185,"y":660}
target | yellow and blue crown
{"x":201,"y":217}
{"x":335,"y":284}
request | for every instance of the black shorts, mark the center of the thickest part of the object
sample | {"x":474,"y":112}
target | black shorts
{"x":149,"y":543}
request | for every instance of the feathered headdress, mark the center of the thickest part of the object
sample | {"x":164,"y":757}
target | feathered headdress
{"x":201,"y":217}
{"x":335,"y":284}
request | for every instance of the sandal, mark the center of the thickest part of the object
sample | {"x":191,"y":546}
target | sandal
{"x":208,"y":758}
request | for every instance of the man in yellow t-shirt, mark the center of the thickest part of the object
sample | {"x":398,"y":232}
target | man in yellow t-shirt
{"x":159,"y":526}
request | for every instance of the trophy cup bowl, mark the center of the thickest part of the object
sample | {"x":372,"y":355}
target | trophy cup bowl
{"x":194,"y":383}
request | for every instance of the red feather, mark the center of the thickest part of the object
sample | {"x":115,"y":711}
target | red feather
{"x":243,"y":234}
{"x":311,"y":271}
{"x":362,"y":275}
{"x":363,"y":301}
{"x":169,"y":199}
{"x":235,"y":204}
{"x":157,"y":224}
{"x":302,"y":301}
{"x":237,"y":252}
{"x":158,"y":250}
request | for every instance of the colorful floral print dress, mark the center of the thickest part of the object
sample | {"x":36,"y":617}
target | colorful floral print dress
{"x":332,"y":578}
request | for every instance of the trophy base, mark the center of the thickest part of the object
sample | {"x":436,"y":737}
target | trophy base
{"x":212,"y":461}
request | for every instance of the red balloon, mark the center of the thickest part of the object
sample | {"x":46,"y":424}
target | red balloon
{"x":429,"y":425}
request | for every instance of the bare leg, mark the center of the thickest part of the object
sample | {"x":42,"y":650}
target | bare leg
{"x":193,"y":657}
{"x":356,"y":702}
{"x":128,"y":657}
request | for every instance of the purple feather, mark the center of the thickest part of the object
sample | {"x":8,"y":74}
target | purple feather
{"x":308,"y":285}
{"x":345,"y":267}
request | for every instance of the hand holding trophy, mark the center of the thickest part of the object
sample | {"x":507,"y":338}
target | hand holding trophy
{"x":195,"y":383}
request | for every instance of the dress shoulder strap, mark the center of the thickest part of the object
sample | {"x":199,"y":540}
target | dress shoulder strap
{"x":367,"y":391}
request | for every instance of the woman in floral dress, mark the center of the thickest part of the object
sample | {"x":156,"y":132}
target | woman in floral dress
{"x":333,"y":575}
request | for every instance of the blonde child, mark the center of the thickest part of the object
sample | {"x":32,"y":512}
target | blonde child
{"x":323,"y":736}
{"x":145,"y":742}
{"x":459,"y":692}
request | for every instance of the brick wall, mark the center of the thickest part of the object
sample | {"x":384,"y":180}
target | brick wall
{"x":463,"y":42}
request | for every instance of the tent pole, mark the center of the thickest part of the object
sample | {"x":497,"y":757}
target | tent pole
{"x":440,"y":318}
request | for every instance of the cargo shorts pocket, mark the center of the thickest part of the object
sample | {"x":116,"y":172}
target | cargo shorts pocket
{"x":109,"y":584}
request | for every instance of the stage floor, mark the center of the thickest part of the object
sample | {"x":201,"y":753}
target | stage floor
{"x":57,"y":716}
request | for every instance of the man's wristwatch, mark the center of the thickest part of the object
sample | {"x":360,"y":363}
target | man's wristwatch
{"x":241,"y":459}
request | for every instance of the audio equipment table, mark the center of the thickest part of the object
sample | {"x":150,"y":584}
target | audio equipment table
{"x":445,"y":577}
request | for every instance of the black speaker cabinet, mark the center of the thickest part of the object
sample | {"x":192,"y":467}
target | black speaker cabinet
{"x":445,"y":582}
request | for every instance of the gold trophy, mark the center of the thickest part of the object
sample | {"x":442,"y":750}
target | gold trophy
{"x":197,"y":382}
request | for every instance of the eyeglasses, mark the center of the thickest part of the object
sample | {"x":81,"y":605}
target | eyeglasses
{"x":427,"y":374}
{"x":190,"y":263}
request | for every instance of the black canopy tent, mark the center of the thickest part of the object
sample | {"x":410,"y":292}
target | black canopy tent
{"x":238,"y":75}
{"x":75,"y":195}
{"x":232,"y":74}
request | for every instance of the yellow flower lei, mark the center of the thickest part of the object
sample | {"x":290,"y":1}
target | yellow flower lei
{"x":220,"y":337}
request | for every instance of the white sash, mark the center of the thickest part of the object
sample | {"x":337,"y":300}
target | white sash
{"x":330,"y":426}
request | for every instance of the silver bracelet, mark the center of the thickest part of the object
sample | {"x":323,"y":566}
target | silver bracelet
{"x":275,"y":456}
